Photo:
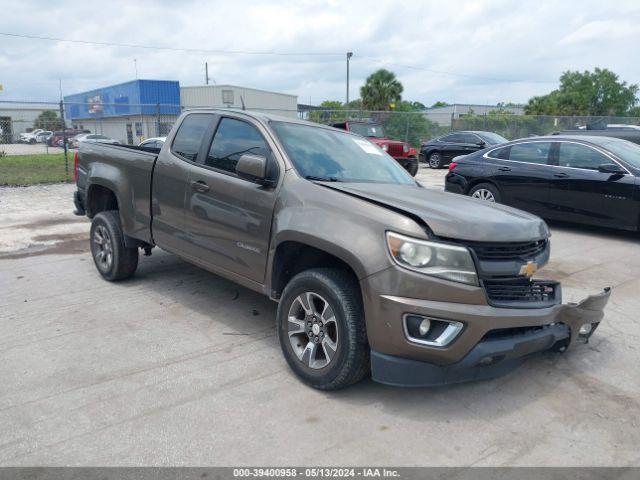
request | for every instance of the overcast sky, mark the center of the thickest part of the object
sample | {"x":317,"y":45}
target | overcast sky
{"x":456,"y":51}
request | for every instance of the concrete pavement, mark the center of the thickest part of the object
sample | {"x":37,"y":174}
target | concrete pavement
{"x":180,"y":367}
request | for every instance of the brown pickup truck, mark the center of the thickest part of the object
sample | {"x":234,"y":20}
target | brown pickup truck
{"x":372,"y":272}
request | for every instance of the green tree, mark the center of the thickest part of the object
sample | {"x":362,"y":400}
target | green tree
{"x":409,"y":124}
{"x":332,"y":112}
{"x":439,"y":104}
{"x":380,"y":90}
{"x":48,"y":120}
{"x":586,"y":93}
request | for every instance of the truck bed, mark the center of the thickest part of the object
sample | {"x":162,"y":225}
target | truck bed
{"x":127,"y":171}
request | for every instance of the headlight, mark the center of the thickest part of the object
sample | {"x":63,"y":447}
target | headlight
{"x":405,"y":147}
{"x":385,"y":147}
{"x":451,"y":262}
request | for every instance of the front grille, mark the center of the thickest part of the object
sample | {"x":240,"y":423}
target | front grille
{"x":508,"y":251}
{"x":513,"y":292}
{"x":395,"y":150}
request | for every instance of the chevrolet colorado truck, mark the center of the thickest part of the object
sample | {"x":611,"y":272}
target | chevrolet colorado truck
{"x":373,"y":273}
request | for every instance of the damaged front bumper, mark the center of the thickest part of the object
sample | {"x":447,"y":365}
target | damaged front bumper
{"x":505,"y":340}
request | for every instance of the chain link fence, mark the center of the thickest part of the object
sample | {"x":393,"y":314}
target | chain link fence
{"x":42,"y":136}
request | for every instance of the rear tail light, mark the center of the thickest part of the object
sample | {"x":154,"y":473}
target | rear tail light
{"x":75,"y":167}
{"x":452,"y":166}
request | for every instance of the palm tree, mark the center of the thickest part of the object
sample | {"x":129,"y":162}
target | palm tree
{"x":381,"y":89}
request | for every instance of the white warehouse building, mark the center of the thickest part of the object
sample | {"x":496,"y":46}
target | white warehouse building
{"x":233,"y":96}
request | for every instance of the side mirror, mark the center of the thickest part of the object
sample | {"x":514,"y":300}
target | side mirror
{"x":481,"y":143}
{"x":611,"y":168}
{"x":252,"y":167}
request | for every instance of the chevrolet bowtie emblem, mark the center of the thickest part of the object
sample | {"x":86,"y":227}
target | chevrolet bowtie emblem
{"x":529,"y":269}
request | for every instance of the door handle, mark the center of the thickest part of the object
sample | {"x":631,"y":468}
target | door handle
{"x":561,"y":175}
{"x":504,"y":169}
{"x":200,"y":186}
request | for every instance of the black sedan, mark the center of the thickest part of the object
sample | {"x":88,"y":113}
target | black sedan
{"x":440,"y":151}
{"x":593,"y":180}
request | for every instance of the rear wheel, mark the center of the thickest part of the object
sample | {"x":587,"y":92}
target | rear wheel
{"x":435,"y":160}
{"x":486,"y":192}
{"x":112,"y":258}
{"x":321,"y":329}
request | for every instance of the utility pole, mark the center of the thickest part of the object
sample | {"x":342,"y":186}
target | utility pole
{"x":135,"y":65}
{"x":206,"y":73}
{"x":349,"y":55}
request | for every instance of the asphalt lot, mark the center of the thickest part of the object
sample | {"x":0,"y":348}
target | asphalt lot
{"x":180,"y":367}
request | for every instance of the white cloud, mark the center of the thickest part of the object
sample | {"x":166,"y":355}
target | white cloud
{"x":500,"y":50}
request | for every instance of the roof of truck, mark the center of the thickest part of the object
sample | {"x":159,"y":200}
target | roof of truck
{"x":262,"y":116}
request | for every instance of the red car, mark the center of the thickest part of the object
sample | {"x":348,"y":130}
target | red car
{"x":56,"y":140}
{"x":402,"y":152}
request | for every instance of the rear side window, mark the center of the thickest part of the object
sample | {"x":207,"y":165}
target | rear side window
{"x":580,"y":156}
{"x":501,"y":153}
{"x":234,"y":138}
{"x":534,"y":152}
{"x":190,"y":134}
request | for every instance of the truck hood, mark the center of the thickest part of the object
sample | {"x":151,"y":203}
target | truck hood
{"x":450,"y":215}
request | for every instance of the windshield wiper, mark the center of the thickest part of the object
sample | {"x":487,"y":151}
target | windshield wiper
{"x":322,"y":179}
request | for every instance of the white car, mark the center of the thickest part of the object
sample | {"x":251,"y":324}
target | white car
{"x":43,"y":136}
{"x":154,"y":142}
{"x":91,"y":137}
{"x":30,"y":137}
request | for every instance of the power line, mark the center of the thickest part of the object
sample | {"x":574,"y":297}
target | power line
{"x":275,"y":53}
{"x":175,"y":49}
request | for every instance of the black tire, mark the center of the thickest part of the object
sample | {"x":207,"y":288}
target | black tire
{"x":350,"y":361}
{"x":412,"y":168}
{"x":487,"y":187}
{"x":434,"y":160}
{"x":123,"y":261}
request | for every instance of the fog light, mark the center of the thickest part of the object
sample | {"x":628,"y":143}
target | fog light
{"x":425,"y":326}
{"x":585,"y":329}
{"x":430,"y":331}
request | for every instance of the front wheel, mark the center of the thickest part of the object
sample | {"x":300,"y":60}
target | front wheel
{"x":321,"y":329}
{"x":112,"y":258}
{"x":412,"y":168}
{"x":435,"y":160}
{"x":486,"y":192}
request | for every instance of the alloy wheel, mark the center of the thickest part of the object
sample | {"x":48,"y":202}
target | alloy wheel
{"x":484,"y":194}
{"x":103,"y":248}
{"x":434,"y":160}
{"x":312,"y":329}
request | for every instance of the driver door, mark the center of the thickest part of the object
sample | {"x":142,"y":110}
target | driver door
{"x":228,"y":219}
{"x":582,"y":194}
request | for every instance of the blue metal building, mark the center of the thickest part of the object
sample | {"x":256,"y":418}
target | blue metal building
{"x":137,"y":97}
{"x":128,"y":112}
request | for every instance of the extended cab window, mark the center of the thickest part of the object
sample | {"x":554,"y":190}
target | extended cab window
{"x":234,"y":138}
{"x":190,"y":134}
{"x":580,"y":156}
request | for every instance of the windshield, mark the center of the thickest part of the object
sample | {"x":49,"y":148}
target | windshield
{"x":627,"y":151}
{"x":492,"y":138}
{"x":367,"y":130}
{"x":322,"y":154}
